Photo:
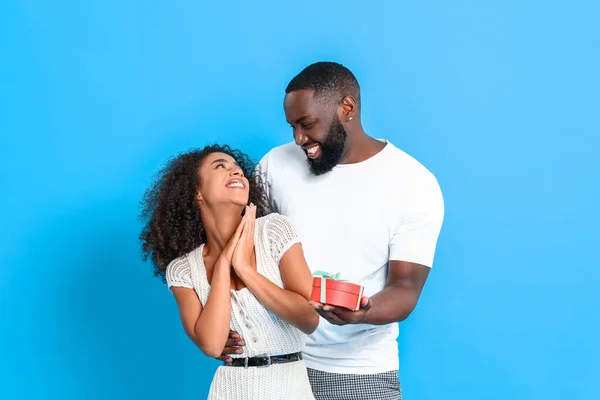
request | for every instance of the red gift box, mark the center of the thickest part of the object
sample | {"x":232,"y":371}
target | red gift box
{"x":336,"y":293}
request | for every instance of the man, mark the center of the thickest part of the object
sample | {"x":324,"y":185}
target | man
{"x":364,"y":209}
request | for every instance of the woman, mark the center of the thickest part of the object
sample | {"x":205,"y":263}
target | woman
{"x":230,"y":270}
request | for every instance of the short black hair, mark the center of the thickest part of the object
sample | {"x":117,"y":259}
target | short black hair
{"x":326,"y":78}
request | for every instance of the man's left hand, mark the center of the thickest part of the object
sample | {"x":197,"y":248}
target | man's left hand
{"x":340,"y":315}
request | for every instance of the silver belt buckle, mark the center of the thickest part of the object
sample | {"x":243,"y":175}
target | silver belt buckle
{"x":246,"y":362}
{"x":268,"y":362}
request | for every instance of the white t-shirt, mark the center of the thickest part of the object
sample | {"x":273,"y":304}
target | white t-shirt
{"x":353,"y":220}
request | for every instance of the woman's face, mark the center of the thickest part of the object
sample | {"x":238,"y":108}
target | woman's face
{"x":222,"y":181}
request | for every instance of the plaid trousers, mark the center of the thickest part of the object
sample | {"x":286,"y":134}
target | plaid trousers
{"x":329,"y":386}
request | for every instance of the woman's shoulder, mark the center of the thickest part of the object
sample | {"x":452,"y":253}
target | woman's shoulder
{"x":275,"y":218}
{"x":275,"y":223}
{"x":182,"y":263}
{"x":179,"y":271}
{"x":279,"y":232}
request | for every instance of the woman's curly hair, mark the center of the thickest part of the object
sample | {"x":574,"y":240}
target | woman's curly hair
{"x":173,"y":226}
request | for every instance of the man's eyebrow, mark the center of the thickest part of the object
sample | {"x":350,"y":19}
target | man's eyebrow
{"x":299,"y":120}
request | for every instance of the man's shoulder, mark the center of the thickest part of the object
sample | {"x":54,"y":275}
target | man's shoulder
{"x":407,"y":163}
{"x":287,"y":155}
{"x":283,"y":152}
{"x":410,"y":174}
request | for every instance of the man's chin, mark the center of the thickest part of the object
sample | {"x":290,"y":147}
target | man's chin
{"x":317,"y":167}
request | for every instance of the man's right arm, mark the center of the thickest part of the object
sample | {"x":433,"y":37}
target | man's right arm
{"x":232,"y":346}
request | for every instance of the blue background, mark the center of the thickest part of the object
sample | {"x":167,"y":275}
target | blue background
{"x":498,"y":99}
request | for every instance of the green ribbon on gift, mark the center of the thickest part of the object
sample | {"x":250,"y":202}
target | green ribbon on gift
{"x":325,"y":274}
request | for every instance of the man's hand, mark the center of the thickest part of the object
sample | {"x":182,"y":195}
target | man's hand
{"x":342,"y":316}
{"x":232,"y":346}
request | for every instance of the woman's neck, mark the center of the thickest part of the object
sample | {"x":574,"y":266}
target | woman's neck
{"x":219,"y":230}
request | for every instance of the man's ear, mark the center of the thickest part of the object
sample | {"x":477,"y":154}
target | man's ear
{"x":348,"y":108}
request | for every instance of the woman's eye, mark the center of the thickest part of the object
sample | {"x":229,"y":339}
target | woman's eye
{"x":220,"y":165}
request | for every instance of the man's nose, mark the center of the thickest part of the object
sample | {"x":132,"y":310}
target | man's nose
{"x":299,"y":138}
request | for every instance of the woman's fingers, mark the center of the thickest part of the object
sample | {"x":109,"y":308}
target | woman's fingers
{"x":239,"y":230}
{"x":252,"y":222}
{"x":248,"y":225}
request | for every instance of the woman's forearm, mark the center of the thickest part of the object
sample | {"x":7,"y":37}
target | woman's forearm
{"x":212,"y":327}
{"x":286,"y":304}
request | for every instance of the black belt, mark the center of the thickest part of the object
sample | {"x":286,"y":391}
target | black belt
{"x":263,"y":361}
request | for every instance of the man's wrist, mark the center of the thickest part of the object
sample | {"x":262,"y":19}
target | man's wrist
{"x":363,"y":319}
{"x":366,"y":314}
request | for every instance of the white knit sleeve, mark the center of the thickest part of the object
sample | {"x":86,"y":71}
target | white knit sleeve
{"x":282,"y":235}
{"x":178,"y":273}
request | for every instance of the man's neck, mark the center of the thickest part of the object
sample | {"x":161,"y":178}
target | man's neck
{"x":360,"y":147}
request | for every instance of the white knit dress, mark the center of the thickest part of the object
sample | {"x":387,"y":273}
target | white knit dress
{"x":264,"y":333}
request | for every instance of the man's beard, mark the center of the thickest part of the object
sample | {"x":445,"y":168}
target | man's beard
{"x":332,"y":149}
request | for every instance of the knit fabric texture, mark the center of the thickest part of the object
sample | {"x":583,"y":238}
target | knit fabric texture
{"x":263,"y":331}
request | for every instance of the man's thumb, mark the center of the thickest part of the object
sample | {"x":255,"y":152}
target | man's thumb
{"x":365,"y":303}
